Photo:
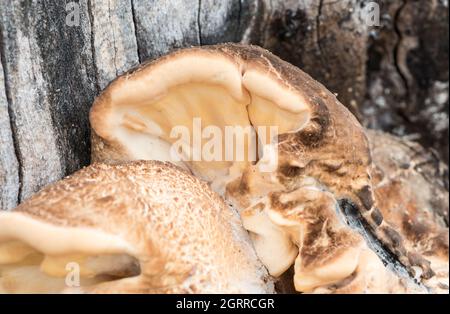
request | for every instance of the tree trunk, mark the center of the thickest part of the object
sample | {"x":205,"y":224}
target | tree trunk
{"x":393,"y":77}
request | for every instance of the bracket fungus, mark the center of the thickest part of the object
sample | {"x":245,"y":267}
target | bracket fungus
{"x":186,"y":163}
{"x":141,"y":227}
{"x":296,"y":214}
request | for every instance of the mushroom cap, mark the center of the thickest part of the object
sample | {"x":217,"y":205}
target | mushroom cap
{"x":153,"y":215}
{"x":316,"y":132}
{"x":320,"y":146}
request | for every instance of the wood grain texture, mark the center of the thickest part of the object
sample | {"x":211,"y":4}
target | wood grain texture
{"x":9,"y":168}
{"x":113,"y":38}
{"x":165,"y":25}
{"x":48,"y":69}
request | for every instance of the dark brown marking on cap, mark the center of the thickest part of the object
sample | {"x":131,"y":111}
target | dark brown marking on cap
{"x":376,"y":216}
{"x":393,"y":236}
{"x":366,"y":197}
{"x":290,"y":171}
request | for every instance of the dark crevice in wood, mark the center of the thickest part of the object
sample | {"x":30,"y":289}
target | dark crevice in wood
{"x":397,"y":48}
{"x":199,"y":25}
{"x":13,"y":128}
{"x":237,"y":36}
{"x":94,"y":59}
{"x":138,"y":44}
{"x":113,"y":38}
{"x":319,"y":14}
{"x":319,"y":34}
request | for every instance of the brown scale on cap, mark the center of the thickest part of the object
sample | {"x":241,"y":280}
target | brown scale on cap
{"x":302,"y":227}
{"x":320,"y":141}
{"x":141,"y":227}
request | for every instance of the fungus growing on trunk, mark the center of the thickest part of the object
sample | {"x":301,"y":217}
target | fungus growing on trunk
{"x":289,"y":195}
{"x":141,"y":227}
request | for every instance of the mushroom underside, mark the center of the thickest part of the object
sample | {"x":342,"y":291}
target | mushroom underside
{"x":212,"y":116}
{"x":37,"y":257}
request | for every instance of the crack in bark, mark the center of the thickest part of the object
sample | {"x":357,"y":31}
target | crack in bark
{"x":14,"y":136}
{"x":238,"y":30}
{"x":397,"y":47}
{"x":94,"y":59}
{"x":319,"y":35}
{"x":41,"y":98}
{"x":199,"y":26}
{"x":113,"y":38}
{"x":133,"y":14}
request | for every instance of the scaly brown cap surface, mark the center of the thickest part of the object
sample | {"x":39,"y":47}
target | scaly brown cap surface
{"x":142,"y":227}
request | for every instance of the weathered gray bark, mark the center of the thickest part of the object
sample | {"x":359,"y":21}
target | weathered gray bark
{"x":49,"y":75}
{"x":52,"y":71}
{"x":9,"y":176}
{"x":114,"y":44}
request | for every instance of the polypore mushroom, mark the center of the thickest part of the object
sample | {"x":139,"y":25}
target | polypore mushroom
{"x":320,"y":157}
{"x":143,"y":227}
